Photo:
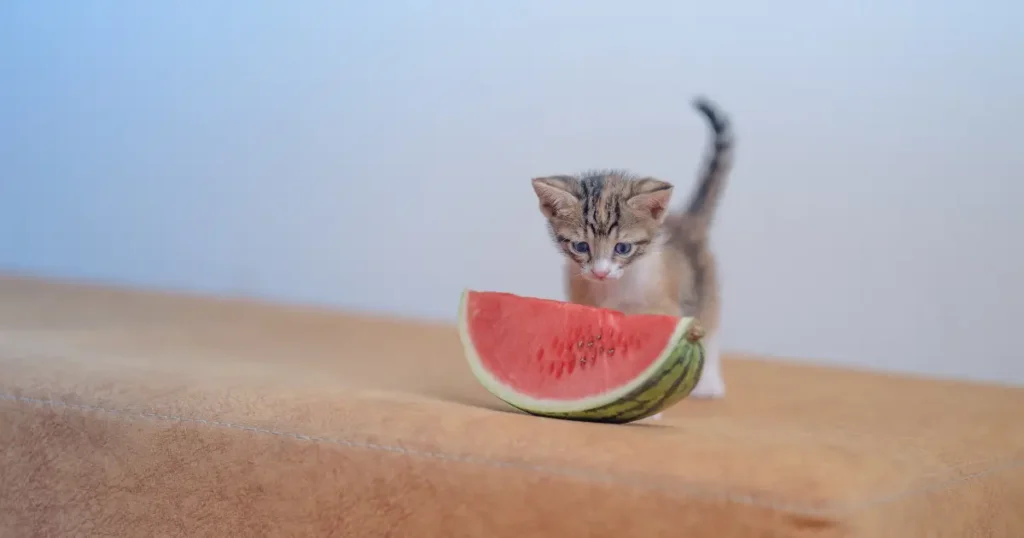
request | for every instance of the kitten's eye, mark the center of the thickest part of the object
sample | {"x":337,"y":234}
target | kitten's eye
{"x":623,"y":249}
{"x":581,"y":247}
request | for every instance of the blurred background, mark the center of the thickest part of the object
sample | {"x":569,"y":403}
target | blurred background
{"x":377,"y":155}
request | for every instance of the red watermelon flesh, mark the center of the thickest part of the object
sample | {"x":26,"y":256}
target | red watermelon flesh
{"x":554,"y":350}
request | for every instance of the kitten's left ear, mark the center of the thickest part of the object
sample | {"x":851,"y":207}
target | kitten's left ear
{"x":652,"y":196}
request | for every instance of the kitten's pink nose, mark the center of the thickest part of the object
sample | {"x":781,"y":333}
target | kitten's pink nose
{"x":599,"y":274}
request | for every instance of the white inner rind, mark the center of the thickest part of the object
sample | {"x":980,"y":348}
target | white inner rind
{"x":523,"y":401}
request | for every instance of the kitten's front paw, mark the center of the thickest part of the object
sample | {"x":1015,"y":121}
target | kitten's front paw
{"x":711,"y":385}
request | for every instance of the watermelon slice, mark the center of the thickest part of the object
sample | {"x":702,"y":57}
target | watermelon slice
{"x":563,"y":360}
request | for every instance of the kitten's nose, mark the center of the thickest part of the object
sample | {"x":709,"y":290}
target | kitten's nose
{"x":599,"y":274}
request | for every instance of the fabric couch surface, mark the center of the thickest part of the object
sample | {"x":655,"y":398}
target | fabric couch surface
{"x":141,"y":414}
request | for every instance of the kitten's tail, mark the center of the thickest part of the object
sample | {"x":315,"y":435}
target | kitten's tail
{"x":717,"y":165}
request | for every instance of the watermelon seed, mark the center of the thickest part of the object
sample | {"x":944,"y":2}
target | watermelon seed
{"x":579,"y":344}
{"x":611,"y":351}
{"x":598,"y":336}
{"x":590,"y":343}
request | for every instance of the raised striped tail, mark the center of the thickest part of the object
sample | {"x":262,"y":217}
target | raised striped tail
{"x":717,"y":165}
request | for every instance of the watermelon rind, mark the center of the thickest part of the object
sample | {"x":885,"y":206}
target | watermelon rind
{"x":669,"y":379}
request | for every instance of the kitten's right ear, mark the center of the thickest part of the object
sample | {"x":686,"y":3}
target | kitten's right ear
{"x":555,"y":195}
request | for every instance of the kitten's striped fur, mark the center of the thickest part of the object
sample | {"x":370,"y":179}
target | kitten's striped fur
{"x":669,"y":267}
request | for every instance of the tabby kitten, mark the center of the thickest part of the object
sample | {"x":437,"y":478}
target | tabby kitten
{"x":625,"y":251}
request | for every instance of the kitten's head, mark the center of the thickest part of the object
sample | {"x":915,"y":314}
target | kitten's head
{"x":603,"y":221}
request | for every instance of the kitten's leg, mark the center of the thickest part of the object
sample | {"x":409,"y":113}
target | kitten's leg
{"x":711,"y":384}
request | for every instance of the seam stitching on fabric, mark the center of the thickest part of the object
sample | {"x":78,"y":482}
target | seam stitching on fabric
{"x":674,"y":486}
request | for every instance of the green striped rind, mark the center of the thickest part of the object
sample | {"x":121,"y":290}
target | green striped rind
{"x":671,"y":384}
{"x":673,"y":376}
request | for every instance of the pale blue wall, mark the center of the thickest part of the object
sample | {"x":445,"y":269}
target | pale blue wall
{"x":379,"y":157}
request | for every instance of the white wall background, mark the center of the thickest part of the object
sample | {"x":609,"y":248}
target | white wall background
{"x":377,"y":155}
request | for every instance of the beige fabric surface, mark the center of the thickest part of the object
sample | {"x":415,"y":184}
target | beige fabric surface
{"x":128,"y":413}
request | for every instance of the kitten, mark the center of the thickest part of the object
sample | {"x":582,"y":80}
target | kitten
{"x":625,"y":251}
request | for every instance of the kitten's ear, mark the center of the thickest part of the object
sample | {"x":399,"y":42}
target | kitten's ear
{"x":555,"y":194}
{"x":651,"y":196}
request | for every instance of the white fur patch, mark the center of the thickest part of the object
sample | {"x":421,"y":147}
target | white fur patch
{"x":640,"y":276}
{"x":636,"y":279}
{"x":603,"y":265}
